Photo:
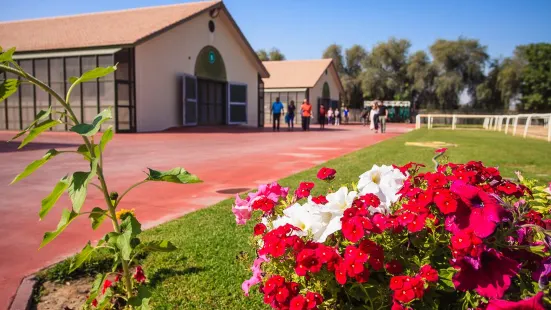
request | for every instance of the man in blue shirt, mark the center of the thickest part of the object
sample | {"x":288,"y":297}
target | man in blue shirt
{"x":277,"y":109}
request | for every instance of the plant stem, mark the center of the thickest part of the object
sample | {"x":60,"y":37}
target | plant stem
{"x":128,"y":190}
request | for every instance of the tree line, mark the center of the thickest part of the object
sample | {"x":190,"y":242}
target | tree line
{"x":437,"y":80}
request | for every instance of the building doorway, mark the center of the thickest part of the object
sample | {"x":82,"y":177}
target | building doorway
{"x":211,"y":102}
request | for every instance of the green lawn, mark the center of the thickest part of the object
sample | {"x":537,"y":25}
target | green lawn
{"x":204,"y":273}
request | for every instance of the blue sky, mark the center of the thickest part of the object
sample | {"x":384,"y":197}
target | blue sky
{"x":301,"y":29}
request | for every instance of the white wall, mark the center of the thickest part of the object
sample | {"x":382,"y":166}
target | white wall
{"x":316,"y":91}
{"x":161,"y":60}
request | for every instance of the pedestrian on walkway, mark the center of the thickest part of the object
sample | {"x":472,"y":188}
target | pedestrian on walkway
{"x":306,"y":109}
{"x":291,"y":115}
{"x":383,"y":114}
{"x":345,"y":112}
{"x":330,"y":115}
{"x":321,"y":117}
{"x":372,"y":116}
{"x":277,"y":109}
{"x":337,"y":117}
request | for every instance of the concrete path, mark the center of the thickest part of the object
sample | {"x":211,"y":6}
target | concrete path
{"x":225,"y":158}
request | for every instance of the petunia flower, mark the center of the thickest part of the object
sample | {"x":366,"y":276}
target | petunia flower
{"x":533,"y":303}
{"x":139,"y":275}
{"x":543,"y":273}
{"x":257,"y":274}
{"x":242,"y":210}
{"x":491,"y":279}
{"x":442,"y":150}
{"x":326,"y":174}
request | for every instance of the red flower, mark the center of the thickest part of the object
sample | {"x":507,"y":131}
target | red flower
{"x":533,"y":303}
{"x":264,"y":203}
{"x":298,"y":303}
{"x":436,"y":180}
{"x":326,"y":174}
{"x":375,"y":252}
{"x":282,"y":294}
{"x":95,"y":303}
{"x":442,"y":150}
{"x":370,"y":200}
{"x":106,"y":285}
{"x":428,"y":273}
{"x":461,"y":240}
{"x":424,"y":198}
{"x":304,"y":189}
{"x":273,"y":283}
{"x":340,"y":273}
{"x":353,"y":228}
{"x":307,"y":261}
{"x":404,"y":295}
{"x":492,"y":277}
{"x":445,"y":201}
{"x":394,"y":267}
{"x":325,"y":253}
{"x":313,"y":300}
{"x":321,"y":200}
{"x":259,"y":229}
{"x":418,"y":223}
{"x":139,"y":275}
{"x":508,"y":188}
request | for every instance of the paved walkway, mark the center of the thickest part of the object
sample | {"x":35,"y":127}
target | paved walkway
{"x":224,"y":158}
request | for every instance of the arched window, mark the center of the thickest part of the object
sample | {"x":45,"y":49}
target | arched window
{"x":210,"y":65}
{"x":325,"y":92}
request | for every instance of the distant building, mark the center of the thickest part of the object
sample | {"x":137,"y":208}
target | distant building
{"x":316,"y":80}
{"x":178,"y":65}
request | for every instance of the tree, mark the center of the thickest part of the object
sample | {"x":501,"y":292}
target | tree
{"x":334,"y":52}
{"x":488,"y":93}
{"x":263,"y":55}
{"x":276,"y":55}
{"x":421,"y":74}
{"x":509,"y":78}
{"x":460,"y":66}
{"x":385,"y":75}
{"x":536,"y":77}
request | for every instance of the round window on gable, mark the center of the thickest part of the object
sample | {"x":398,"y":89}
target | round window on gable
{"x":211,"y":26}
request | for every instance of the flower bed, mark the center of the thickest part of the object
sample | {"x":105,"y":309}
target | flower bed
{"x":459,"y":237}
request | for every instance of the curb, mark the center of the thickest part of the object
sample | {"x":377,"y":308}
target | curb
{"x":23,"y":296}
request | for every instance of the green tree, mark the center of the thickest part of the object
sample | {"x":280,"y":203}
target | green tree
{"x":334,"y":52}
{"x":488,"y":93}
{"x":421,"y":74}
{"x":263,"y":55}
{"x":460,"y":66}
{"x":509,"y":78}
{"x":276,"y":55}
{"x":385,"y":75}
{"x":536,"y":77}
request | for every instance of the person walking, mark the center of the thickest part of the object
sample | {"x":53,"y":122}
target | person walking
{"x":306,"y":109}
{"x":372,"y":122}
{"x":321,"y":117}
{"x":277,"y":109}
{"x":365,"y":116}
{"x":330,"y":115}
{"x":291,"y":115}
{"x":345,"y":112}
{"x":383,"y":114}
{"x":337,"y":117}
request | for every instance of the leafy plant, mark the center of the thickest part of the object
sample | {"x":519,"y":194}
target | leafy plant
{"x":121,"y":288}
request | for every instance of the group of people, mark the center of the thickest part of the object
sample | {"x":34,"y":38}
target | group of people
{"x":377,"y":116}
{"x":328,"y":116}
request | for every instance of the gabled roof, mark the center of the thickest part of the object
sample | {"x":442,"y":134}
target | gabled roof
{"x":298,"y":73}
{"x":114,"y":28}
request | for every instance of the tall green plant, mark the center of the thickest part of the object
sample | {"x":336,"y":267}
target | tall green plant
{"x":118,"y":289}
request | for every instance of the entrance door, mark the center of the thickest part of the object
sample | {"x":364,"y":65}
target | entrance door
{"x":211,"y":103}
{"x":190,"y":100}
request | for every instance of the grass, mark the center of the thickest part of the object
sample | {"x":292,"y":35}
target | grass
{"x":206,"y":271}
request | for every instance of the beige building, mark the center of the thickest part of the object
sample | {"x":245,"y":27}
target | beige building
{"x":178,"y":65}
{"x":316,"y":80}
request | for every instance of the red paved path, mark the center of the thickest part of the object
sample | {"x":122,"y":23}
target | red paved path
{"x":223,"y":158}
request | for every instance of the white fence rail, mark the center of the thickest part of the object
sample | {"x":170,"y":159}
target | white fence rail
{"x":531,"y":125}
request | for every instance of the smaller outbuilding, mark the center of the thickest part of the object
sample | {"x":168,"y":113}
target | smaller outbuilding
{"x":316,"y":80}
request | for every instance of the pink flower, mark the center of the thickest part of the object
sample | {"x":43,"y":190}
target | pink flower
{"x":242,"y":210}
{"x":491,"y":279}
{"x":257,"y":274}
{"x":479,"y":211}
{"x":272,"y":191}
{"x":442,"y":150}
{"x":533,"y":303}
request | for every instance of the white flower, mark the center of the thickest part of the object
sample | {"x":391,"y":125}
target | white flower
{"x":333,"y":211}
{"x":383,"y":181}
{"x":305,"y":217}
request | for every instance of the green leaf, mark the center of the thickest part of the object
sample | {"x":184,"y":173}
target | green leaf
{"x":38,"y":130}
{"x":88,"y":130}
{"x":81,"y":257}
{"x":105,"y":138}
{"x":35,"y":165}
{"x":40,"y":117}
{"x":7,"y":55}
{"x":95,"y":288}
{"x":97,"y":216}
{"x":141,"y":301}
{"x":83,"y":150}
{"x":158,"y":246}
{"x":93,"y":74}
{"x":53,"y":197}
{"x":176,"y":175}
{"x":8,"y":87}
{"x":78,"y":188}
{"x":130,"y":228}
{"x":66,"y":218}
